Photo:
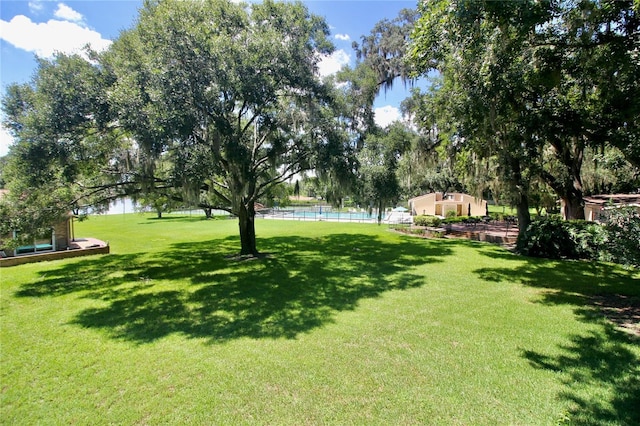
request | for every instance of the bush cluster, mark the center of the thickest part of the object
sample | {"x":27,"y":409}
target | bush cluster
{"x":455,"y":219}
{"x":426,"y":220}
{"x":435,"y":221}
{"x":500,"y":217}
{"x":617,"y":240}
{"x":623,"y":230}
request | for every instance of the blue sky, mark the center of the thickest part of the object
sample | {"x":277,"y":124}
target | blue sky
{"x":40,"y":27}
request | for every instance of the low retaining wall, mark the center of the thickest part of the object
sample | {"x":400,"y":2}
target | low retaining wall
{"x":470,"y":234}
{"x":54,"y":255}
{"x":482,"y":236}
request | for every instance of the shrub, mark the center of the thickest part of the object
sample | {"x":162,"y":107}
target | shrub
{"x":587,"y":239}
{"x":455,"y":219}
{"x":543,"y":238}
{"x":472,"y":220}
{"x":451,"y":214}
{"x":555,"y":238}
{"x":499,"y":217}
{"x":399,"y":227}
{"x":426,"y":220}
{"x":623,"y":242}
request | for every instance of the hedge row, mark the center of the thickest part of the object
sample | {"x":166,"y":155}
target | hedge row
{"x":435,"y":221}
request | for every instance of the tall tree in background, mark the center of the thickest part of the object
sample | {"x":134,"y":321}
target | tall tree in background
{"x":379,"y":152}
{"x":587,"y":57}
{"x":384,"y":49}
{"x":477,"y":47}
{"x":378,"y":166}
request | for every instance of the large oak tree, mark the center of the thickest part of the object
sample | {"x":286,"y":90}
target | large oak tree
{"x":227,"y":97}
{"x":230,"y":92}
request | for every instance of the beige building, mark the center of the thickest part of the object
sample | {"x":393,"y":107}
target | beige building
{"x":596,"y":206}
{"x":440,"y":204}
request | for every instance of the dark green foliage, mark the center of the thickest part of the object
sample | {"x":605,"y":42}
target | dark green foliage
{"x":588,"y":239}
{"x":211,"y":102}
{"x":500,"y":217}
{"x":623,"y":245}
{"x":451,"y":219}
{"x":378,"y":164}
{"x":385,"y":48}
{"x":555,"y":238}
{"x":529,"y":87}
{"x":618,"y":240}
{"x":426,"y":220}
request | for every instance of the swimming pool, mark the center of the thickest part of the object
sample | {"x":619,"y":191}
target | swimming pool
{"x":333,"y":215}
{"x":330,"y":216}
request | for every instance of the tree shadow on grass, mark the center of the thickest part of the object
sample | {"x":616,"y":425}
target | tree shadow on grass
{"x":602,"y":359}
{"x":605,"y":358}
{"x":194,"y":290}
{"x":572,"y":282}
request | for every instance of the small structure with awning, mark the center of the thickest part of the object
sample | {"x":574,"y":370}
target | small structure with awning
{"x":57,"y":242}
{"x":596,"y":207}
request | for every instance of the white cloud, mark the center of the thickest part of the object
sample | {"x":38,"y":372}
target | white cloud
{"x":386,"y":115}
{"x":66,"y":13}
{"x":343,"y":37}
{"x":36,"y":6}
{"x":44,"y":39}
{"x":5,"y":141}
{"x":331,"y":64}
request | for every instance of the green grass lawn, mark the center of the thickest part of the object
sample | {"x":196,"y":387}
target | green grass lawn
{"x":340,"y":324}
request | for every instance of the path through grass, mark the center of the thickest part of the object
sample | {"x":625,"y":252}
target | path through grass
{"x":340,"y":324}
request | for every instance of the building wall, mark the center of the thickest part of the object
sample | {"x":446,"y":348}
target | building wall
{"x":435,"y":204}
{"x":591,"y":212}
{"x":424,"y":205}
{"x":61,"y":233}
{"x":478,"y":206}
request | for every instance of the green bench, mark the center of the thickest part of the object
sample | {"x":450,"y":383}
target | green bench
{"x":34,"y":248}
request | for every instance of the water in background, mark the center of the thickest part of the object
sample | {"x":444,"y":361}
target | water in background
{"x":122,"y":206}
{"x":126,"y":205}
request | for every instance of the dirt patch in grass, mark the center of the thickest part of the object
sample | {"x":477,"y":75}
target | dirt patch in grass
{"x":623,"y":311}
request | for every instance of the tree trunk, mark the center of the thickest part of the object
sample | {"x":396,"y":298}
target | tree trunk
{"x":573,"y":204}
{"x":524,"y":217}
{"x":519,"y":187}
{"x":207,"y":212}
{"x":246,"y":223}
{"x":571,"y":193}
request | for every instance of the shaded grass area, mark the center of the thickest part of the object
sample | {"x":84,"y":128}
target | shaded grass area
{"x":295,"y":289}
{"x":339,"y":324}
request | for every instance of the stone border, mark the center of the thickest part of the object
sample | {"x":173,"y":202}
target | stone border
{"x":54,"y":255}
{"x":448,"y":232}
